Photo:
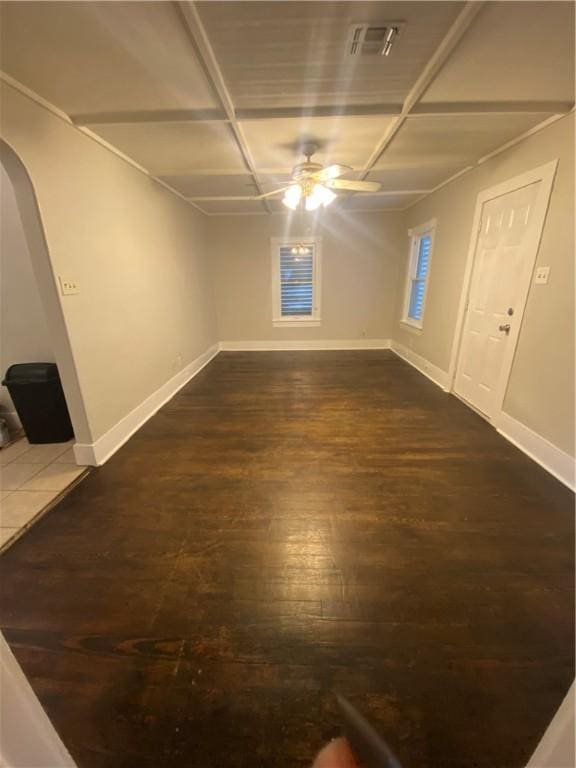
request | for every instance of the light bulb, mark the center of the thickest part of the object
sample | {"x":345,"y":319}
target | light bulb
{"x":320,"y":195}
{"x":332,"y":172}
{"x":314,"y":199}
{"x":292,"y":196}
{"x":326,"y":195}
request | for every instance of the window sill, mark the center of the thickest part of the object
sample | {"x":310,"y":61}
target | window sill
{"x":409,"y":325}
{"x":285,"y":323}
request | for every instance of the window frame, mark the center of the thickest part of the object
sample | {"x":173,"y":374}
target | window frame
{"x":416,"y":234}
{"x":296,"y":321}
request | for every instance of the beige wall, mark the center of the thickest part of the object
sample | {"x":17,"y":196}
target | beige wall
{"x":154,"y":274}
{"x":541,"y":387}
{"x":557,"y":747}
{"x":359,"y":274}
{"x":138,"y":253}
{"x":24,"y":335}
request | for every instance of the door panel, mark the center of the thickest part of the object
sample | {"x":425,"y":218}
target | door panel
{"x":501,"y":260}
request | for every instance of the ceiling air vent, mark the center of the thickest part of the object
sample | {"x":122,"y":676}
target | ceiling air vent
{"x":373,"y":40}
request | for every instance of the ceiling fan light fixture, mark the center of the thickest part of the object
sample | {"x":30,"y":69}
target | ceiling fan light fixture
{"x":326,"y":194}
{"x":320,"y":196}
{"x":312,"y":184}
{"x":312,"y":202}
{"x":292,"y":196}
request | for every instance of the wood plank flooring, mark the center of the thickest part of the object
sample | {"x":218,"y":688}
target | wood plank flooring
{"x":292,"y":525}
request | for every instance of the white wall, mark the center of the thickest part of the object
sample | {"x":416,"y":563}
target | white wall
{"x":24,"y":335}
{"x":557,"y":748}
{"x":359,"y":274}
{"x":541,"y":388}
{"x":27,"y":737}
{"x":138,"y":253}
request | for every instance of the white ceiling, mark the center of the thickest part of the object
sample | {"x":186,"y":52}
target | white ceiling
{"x":453,"y":139}
{"x":290,"y":54}
{"x":169,"y":148}
{"x":513,"y":52}
{"x":347,"y":140}
{"x":213,"y":98}
{"x":103,"y":57}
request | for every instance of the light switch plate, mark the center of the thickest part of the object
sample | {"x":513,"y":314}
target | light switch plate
{"x":68,"y":286}
{"x":541,"y":275}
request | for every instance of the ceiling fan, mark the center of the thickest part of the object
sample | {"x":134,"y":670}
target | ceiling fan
{"x":312,"y":184}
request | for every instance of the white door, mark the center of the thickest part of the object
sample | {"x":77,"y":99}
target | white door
{"x":503,"y":265}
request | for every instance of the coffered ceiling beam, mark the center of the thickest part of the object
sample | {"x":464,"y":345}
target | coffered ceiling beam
{"x":284,"y":171}
{"x":218,"y":115}
{"x":381,"y":193}
{"x":489,"y":108}
{"x":318,"y":110}
{"x":458,"y":29}
{"x":212,"y":198}
{"x":502,"y":148}
{"x":351,"y":110}
{"x":150,"y":116}
{"x":205,"y":54}
{"x":58,"y":113}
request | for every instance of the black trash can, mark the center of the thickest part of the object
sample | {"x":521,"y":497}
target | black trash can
{"x":38,"y":397}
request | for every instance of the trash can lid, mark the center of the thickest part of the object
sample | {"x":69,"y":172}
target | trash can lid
{"x":21,"y":373}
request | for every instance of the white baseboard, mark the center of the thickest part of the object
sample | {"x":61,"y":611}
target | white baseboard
{"x":286,"y":346}
{"x":554,"y":460}
{"x":12,"y":420}
{"x":435,"y":374}
{"x":95,"y":454}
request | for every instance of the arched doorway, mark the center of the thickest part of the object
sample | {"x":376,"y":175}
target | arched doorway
{"x":33,"y":330}
{"x":29,"y":212}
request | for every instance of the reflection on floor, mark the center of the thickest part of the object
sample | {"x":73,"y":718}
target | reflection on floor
{"x":31,"y":478}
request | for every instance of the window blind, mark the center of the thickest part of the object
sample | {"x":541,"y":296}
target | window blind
{"x":418,"y":288}
{"x":296,"y":281}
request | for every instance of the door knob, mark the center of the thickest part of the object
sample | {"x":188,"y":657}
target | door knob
{"x":505,"y":328}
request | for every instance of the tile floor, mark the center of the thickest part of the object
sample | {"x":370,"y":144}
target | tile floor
{"x":31,"y":477}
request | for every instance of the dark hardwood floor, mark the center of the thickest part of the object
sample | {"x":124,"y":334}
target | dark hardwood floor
{"x":289,"y":526}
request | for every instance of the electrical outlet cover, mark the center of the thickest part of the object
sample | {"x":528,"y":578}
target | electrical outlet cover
{"x":68,"y":286}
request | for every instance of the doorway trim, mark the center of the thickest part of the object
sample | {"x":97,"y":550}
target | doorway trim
{"x":544,"y":174}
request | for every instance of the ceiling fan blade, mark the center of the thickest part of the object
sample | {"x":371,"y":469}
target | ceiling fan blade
{"x":353,"y":186}
{"x":271,"y":194}
{"x":331,"y":172}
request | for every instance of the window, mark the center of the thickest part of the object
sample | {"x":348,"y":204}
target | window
{"x":296,"y":281}
{"x":421,"y":243}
